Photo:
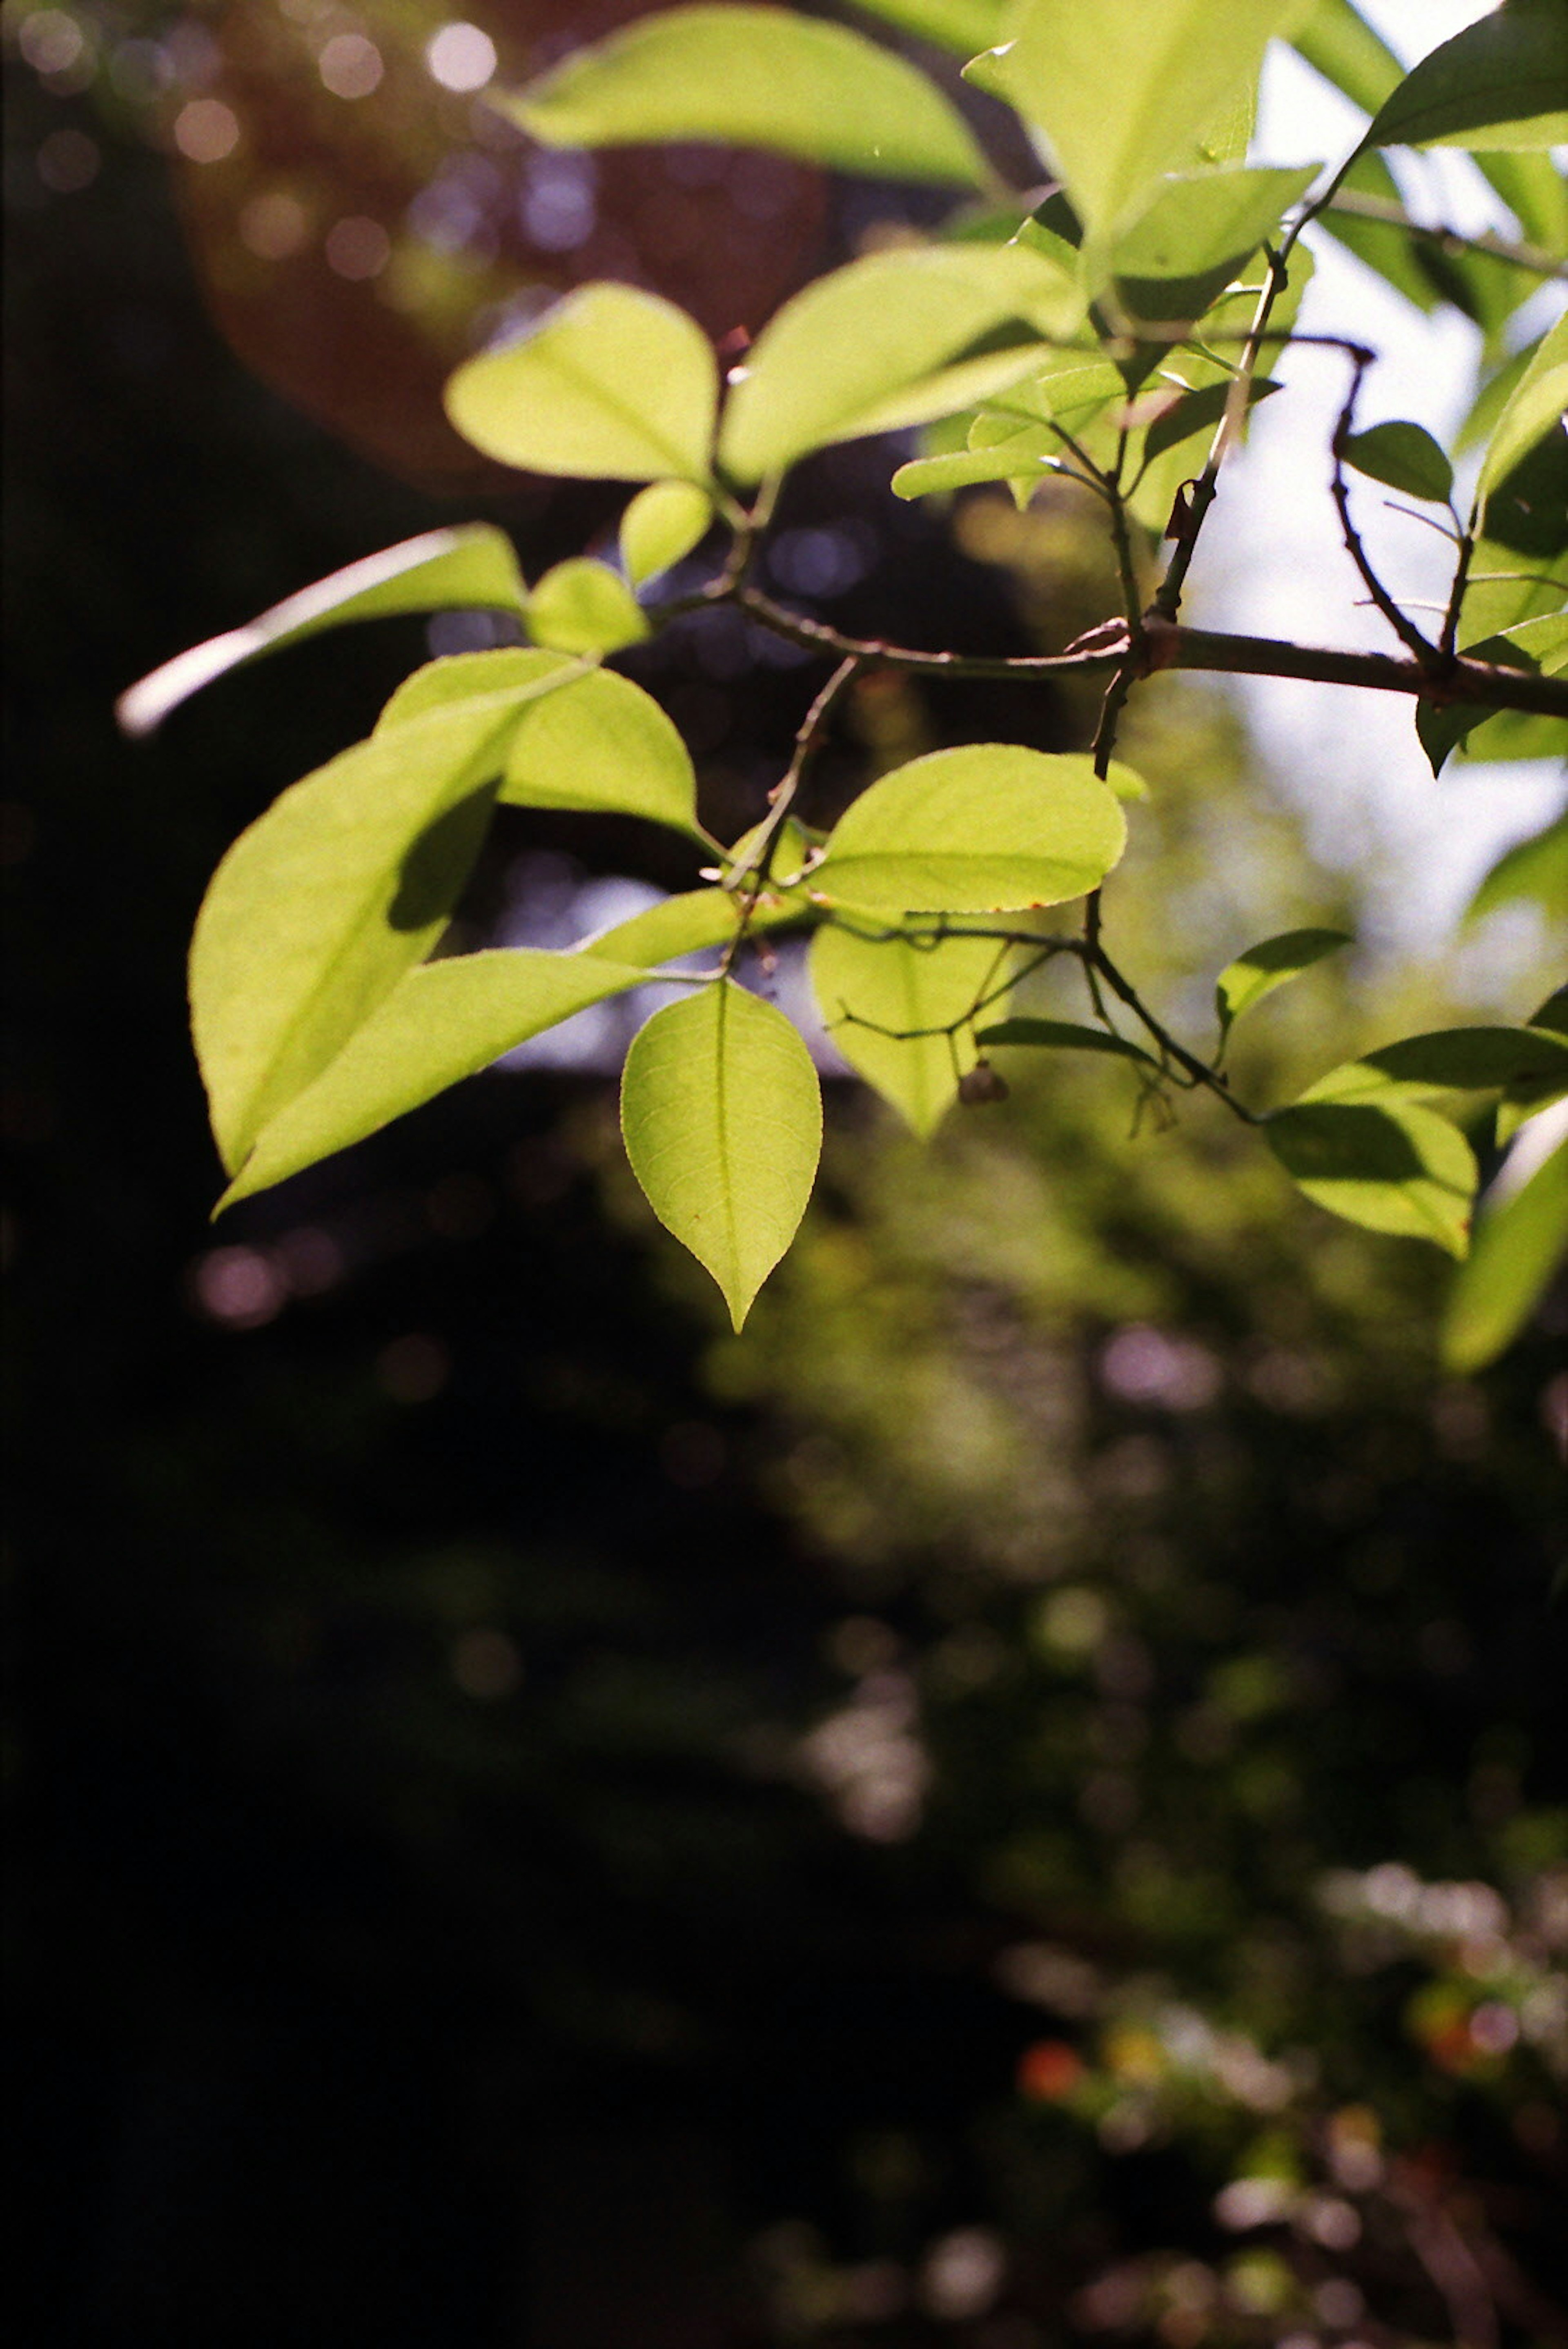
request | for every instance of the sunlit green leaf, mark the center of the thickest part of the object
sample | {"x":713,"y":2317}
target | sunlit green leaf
{"x":723,"y":1117}
{"x":610,"y":384}
{"x":851,"y":349}
{"x":1539,"y":646}
{"x":662,"y":522}
{"x":1270,"y":963}
{"x":1537,"y":405}
{"x":961,"y":25}
{"x":473,"y":567}
{"x":678,"y":926}
{"x":1404,"y":456}
{"x":470,"y":676}
{"x":1123,"y":90}
{"x":1530,"y":1095}
{"x":1536,"y":869}
{"x":583,"y":607}
{"x":1502,"y":83}
{"x":1197,"y":234}
{"x":1519,"y":568}
{"x":441,"y":1022}
{"x":1447,"y":1060}
{"x":603,"y":745}
{"x":318,"y":909}
{"x":1519,"y":1245}
{"x":1064,"y":1036}
{"x":982,"y":828}
{"x":751,"y":77}
{"x":1390,"y":1164}
{"x":882,"y":998}
{"x":1338,"y":43}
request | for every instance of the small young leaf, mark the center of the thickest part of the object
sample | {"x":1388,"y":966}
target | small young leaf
{"x":662,"y":522}
{"x":1537,"y":403}
{"x":583,"y":607}
{"x":470,"y":676}
{"x":1064,"y":1036}
{"x":1518,"y":1247}
{"x":1197,"y":234}
{"x":603,"y":745}
{"x":723,"y":1117}
{"x":612,"y":384}
{"x":441,"y":1022}
{"x":318,"y":909}
{"x":1536,"y":869}
{"x":1502,"y":83}
{"x":470,"y":568}
{"x":883,"y":999}
{"x":1389,"y":1164}
{"x":820,"y":372}
{"x":1268,"y":965}
{"x":1404,"y":457}
{"x":1010,"y":460}
{"x":1123,"y":90}
{"x":974,"y":830}
{"x":751,"y":77}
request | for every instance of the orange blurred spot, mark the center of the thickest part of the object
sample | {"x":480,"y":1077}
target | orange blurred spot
{"x":1049,"y":2071}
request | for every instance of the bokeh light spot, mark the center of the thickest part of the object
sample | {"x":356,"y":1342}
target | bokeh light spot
{"x":206,"y":131}
{"x":350,"y":66}
{"x":51,"y":41}
{"x":273,"y":226}
{"x":460,"y":58}
{"x":357,"y":248}
{"x":68,"y":161}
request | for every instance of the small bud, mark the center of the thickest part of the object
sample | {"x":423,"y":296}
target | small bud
{"x":980,"y":1084}
{"x":1180,"y":516}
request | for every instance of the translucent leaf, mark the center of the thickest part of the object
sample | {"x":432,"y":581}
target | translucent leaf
{"x":473,"y":567}
{"x":318,"y":909}
{"x":1200,"y":231}
{"x":605,"y":746}
{"x":1519,"y":1245}
{"x":1125,"y":90}
{"x":749,"y":77}
{"x":441,"y":1022}
{"x":1538,"y":647}
{"x":1537,"y":405}
{"x":610,"y":384}
{"x":1391,"y":1165}
{"x":1271,"y":964}
{"x":1064,"y":1036}
{"x":820,"y":369}
{"x":1536,"y":869}
{"x":1524,"y":1100}
{"x":662,"y":522}
{"x":583,"y":607}
{"x":470,"y":676}
{"x":876,"y":994}
{"x":1518,"y":568}
{"x":977,"y":828}
{"x":1447,"y":1060}
{"x":961,"y":25}
{"x":1339,"y":44}
{"x":1502,"y":83}
{"x":723,"y":1117}
{"x":679,"y":926}
{"x":1404,"y":456}
{"x":1010,"y":460}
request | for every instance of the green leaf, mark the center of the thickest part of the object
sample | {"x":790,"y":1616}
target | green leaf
{"x":610,"y":384}
{"x":1404,"y":456}
{"x":1447,"y":1060}
{"x":1539,"y":647}
{"x":1502,"y":83}
{"x":471,"y":676}
{"x":441,"y":1022}
{"x":1337,"y":42}
{"x":1389,"y":1164}
{"x":1018,"y":459}
{"x":723,"y":1117}
{"x":1518,"y":568}
{"x":1124,"y":90}
{"x":1064,"y":1036}
{"x":1270,"y":963}
{"x":469,"y":568}
{"x":686,"y":925}
{"x":605,"y":746}
{"x":1198,"y":234}
{"x":747,"y":76}
{"x":1536,"y":407}
{"x":961,"y":25}
{"x":1536,"y":869}
{"x":977,"y":828}
{"x":318,"y":909}
{"x":583,"y":607}
{"x":1519,"y":1245}
{"x":662,"y":522}
{"x":867,"y":347}
{"x":876,"y":995}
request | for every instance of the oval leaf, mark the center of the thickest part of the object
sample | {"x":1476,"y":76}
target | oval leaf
{"x":1406,"y":457}
{"x":1535,"y":406}
{"x":662,"y":522}
{"x":1448,"y":1060}
{"x":885,"y":1002}
{"x":1502,"y":83}
{"x":1535,"y":869}
{"x":823,"y":371}
{"x":751,"y":77}
{"x":1271,"y":964}
{"x":472,"y":568}
{"x":1390,"y":1165}
{"x":1197,"y":234}
{"x":612,"y":384}
{"x":975,"y":829}
{"x":318,"y":909}
{"x":1064,"y":1036}
{"x":961,"y":25}
{"x":723,"y":1117}
{"x":583,"y":607}
{"x":470,"y":676}
{"x":441,"y":1022}
{"x":1520,"y":1246}
{"x":603,"y":745}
